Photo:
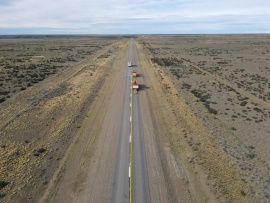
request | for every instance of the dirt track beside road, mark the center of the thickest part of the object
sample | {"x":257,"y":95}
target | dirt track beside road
{"x":59,"y":137}
{"x":39,"y":124}
{"x":220,"y":105}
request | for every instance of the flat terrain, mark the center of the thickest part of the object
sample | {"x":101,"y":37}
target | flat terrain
{"x":222,"y":86}
{"x":27,"y":61}
{"x":38,"y":124}
{"x":200,"y":123}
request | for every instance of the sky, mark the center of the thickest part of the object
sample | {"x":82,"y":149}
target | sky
{"x":134,"y":16}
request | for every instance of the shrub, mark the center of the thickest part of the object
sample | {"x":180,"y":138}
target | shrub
{"x":243,"y":103}
{"x":3,"y":184}
{"x":2,"y":99}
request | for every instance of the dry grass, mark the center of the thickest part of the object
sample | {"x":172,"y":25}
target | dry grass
{"x":224,"y":80}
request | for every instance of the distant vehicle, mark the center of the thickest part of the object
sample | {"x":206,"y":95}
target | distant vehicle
{"x":129,"y":64}
{"x":135,"y":86}
{"x":134,"y":73}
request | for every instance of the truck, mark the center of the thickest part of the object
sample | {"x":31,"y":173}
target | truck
{"x":129,"y":64}
{"x":135,"y":86}
{"x":134,"y":73}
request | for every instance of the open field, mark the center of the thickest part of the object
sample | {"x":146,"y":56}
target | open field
{"x":27,"y":61}
{"x":225,"y":81}
{"x":202,"y":117}
{"x":48,"y":84}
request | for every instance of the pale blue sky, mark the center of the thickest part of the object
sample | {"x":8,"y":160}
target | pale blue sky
{"x":134,"y":17}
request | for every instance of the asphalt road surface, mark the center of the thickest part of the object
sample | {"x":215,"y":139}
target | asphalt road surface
{"x":130,"y":183}
{"x":106,"y":162}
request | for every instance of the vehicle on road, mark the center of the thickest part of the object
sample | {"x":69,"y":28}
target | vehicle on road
{"x":135,"y":86}
{"x":129,"y":64}
{"x":134,"y":73}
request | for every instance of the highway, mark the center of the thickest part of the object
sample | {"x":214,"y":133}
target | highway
{"x":102,"y":142}
{"x":130,"y":182}
{"x":107,"y":161}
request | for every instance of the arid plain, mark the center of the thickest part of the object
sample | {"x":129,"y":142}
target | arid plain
{"x":47,"y":85}
{"x":225,"y":81}
{"x":209,"y":95}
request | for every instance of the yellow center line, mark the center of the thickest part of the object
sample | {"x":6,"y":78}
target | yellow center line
{"x":130,"y":150}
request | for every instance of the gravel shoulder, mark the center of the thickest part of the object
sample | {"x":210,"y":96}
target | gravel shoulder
{"x":172,"y":177}
{"x":206,"y":134}
{"x":221,"y":113}
{"x":60,"y":136}
{"x":40,"y":123}
{"x":87,"y":173}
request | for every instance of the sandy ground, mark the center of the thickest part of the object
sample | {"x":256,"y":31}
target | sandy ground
{"x":206,"y":121}
{"x":86,"y":174}
{"x":55,"y":144}
{"x":39,"y":123}
{"x":222,"y":108}
{"x":182,"y":180}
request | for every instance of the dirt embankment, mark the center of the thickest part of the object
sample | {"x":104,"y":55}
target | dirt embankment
{"x":38,"y":124}
{"x":86,"y":173}
{"x":208,"y":171}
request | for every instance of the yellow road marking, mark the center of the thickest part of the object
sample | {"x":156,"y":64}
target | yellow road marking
{"x":130,"y":151}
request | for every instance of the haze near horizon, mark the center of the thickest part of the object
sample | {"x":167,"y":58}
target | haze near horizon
{"x":134,"y":17}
